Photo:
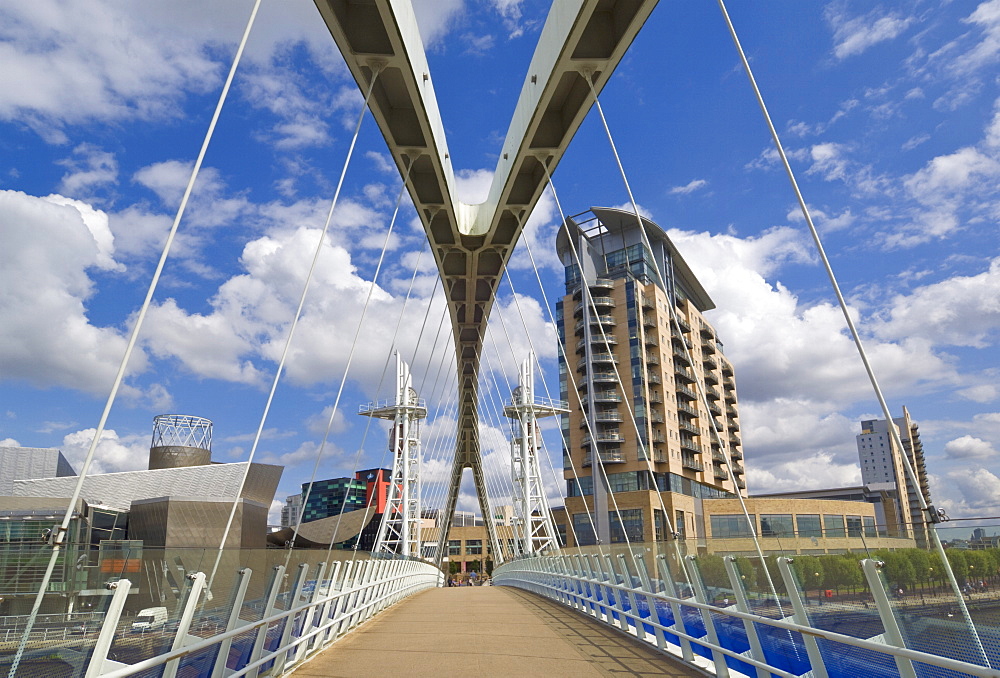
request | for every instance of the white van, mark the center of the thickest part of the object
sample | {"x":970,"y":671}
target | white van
{"x":150,"y":618}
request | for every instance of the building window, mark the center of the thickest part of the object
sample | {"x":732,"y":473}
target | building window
{"x":659,"y":525}
{"x":629,"y":525}
{"x":731,"y":526}
{"x":583,"y":529}
{"x":833,"y":525}
{"x":853,"y":526}
{"x":869,"y":523}
{"x":776,"y":525}
{"x":808,"y":525}
{"x":624,"y":482}
{"x":454,"y":547}
{"x":679,"y":523}
{"x":474,"y":547}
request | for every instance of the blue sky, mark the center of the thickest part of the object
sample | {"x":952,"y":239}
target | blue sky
{"x":890,"y":113}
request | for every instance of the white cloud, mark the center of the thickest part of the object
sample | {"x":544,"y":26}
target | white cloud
{"x":689,"y":187}
{"x":89,"y":167}
{"x":114,"y":453}
{"x":436,"y":17}
{"x":958,"y":311}
{"x":50,"y":246}
{"x":968,"y":491}
{"x":852,"y":36}
{"x":969,"y":447}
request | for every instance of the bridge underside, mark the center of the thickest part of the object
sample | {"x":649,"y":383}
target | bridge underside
{"x":471,"y":244}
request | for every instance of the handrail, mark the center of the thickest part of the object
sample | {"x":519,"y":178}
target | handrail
{"x":512,"y":574}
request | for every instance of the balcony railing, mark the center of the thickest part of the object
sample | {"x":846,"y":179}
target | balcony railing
{"x":607,"y":397}
{"x":690,"y":462}
{"x":684,"y":391}
{"x":687,"y":409}
{"x":609,"y":457}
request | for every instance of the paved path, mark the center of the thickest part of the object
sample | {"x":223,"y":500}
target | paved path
{"x":486,"y":631}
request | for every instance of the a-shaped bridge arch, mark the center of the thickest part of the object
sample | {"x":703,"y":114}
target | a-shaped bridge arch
{"x":471,"y":244}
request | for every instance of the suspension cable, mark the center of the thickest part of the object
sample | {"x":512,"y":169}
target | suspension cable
{"x":926,"y":509}
{"x":60,"y":533}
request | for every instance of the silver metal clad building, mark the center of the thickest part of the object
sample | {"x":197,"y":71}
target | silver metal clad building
{"x":22,"y":463}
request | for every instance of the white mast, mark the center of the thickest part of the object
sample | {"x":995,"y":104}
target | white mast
{"x":537,"y":532}
{"x":399,"y":531}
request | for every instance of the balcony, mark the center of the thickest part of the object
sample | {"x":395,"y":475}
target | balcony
{"x":684,"y":324}
{"x":602,"y":284}
{"x":734,"y":442}
{"x":689,"y":462}
{"x":607,"y":397}
{"x":599,"y":302}
{"x":607,"y":416}
{"x":658,"y":437}
{"x":655,"y":379}
{"x":608,"y":457}
{"x":738,"y":470}
{"x":680,"y":357}
{"x":729,"y":383}
{"x":710,"y":378}
{"x":605,"y":378}
{"x":730,"y":397}
{"x":604,"y":437}
{"x":655,"y":399}
{"x":714,"y":409}
{"x":689,"y":427}
{"x":735,"y":454}
{"x":656,"y":418}
{"x":648,"y":321}
{"x":727,"y":370}
{"x":684,"y":408}
{"x":709,"y":362}
{"x":707,"y":348}
{"x":648,"y":303}
{"x":740,"y":483}
{"x":690,"y":444}
{"x":720,"y":473}
{"x":712,"y":393}
{"x":731,"y":412}
{"x":718,"y":456}
{"x":706,"y":332}
{"x":652,"y":359}
{"x":684,"y":374}
{"x":686,"y":393}
{"x":734,"y":425}
{"x":650,"y":340}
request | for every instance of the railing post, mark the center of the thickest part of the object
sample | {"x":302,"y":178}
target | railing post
{"x":630,"y":593}
{"x":274,"y":587}
{"x":743,"y":605}
{"x":340,"y":607}
{"x":320,"y":639}
{"x":893,"y":636}
{"x":181,"y":638}
{"x":234,"y":622}
{"x":800,"y":616}
{"x":289,"y":625}
{"x":647,"y":587}
{"x":310,"y":615}
{"x":667,"y":577}
{"x":694,"y":576}
{"x":99,"y":662}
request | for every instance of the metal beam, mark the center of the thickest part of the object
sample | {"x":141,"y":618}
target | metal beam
{"x":473,"y":243}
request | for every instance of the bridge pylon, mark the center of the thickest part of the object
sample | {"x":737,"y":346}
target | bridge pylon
{"x":399,"y":530}
{"x":536,"y":530}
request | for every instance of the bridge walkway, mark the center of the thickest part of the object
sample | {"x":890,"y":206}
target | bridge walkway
{"x":487,"y":631}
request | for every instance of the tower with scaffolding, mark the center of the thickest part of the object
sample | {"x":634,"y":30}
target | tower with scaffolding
{"x":399,"y":531}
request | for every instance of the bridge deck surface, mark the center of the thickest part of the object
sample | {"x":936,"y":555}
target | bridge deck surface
{"x":487,"y":631}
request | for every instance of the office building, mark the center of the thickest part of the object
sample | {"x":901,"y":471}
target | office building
{"x":883,"y":464}
{"x":638,"y":344}
{"x":291,"y":511}
{"x":334,"y":496}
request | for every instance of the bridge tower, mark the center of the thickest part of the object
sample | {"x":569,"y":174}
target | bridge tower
{"x":399,"y":530}
{"x":537,"y":532}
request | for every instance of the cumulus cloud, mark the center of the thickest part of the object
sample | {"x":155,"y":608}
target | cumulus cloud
{"x":969,"y":447}
{"x":957,"y":311}
{"x":89,"y":168}
{"x":51,"y":246}
{"x":969,"y":491}
{"x":114,"y":453}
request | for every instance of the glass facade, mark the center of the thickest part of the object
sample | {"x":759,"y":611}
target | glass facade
{"x":731,"y":526}
{"x":833,"y":526}
{"x":776,"y":525}
{"x":809,"y":525}
{"x":333,"y":497}
{"x":626,"y":525}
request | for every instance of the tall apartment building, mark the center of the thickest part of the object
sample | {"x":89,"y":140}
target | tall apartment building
{"x":636,"y":344}
{"x":882,"y":464}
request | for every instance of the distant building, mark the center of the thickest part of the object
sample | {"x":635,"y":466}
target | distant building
{"x":881,"y":463}
{"x":335,"y":496}
{"x":24,"y":463}
{"x":291,"y":511}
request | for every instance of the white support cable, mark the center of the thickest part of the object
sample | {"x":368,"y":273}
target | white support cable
{"x":376,"y":69}
{"x":534,"y":353}
{"x":859,"y":344}
{"x":675,"y":324}
{"x":354,"y":343}
{"x":562,"y":349}
{"x":60,"y":532}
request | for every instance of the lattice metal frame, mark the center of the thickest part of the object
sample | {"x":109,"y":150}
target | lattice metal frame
{"x":182,"y":430}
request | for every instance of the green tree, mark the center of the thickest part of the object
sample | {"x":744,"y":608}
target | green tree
{"x":899,"y":569}
{"x":921,"y":563}
{"x":979,"y":564}
{"x":958,"y":564}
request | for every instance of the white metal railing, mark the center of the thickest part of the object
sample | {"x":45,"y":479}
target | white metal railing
{"x":279,"y":640}
{"x":631,"y":601}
